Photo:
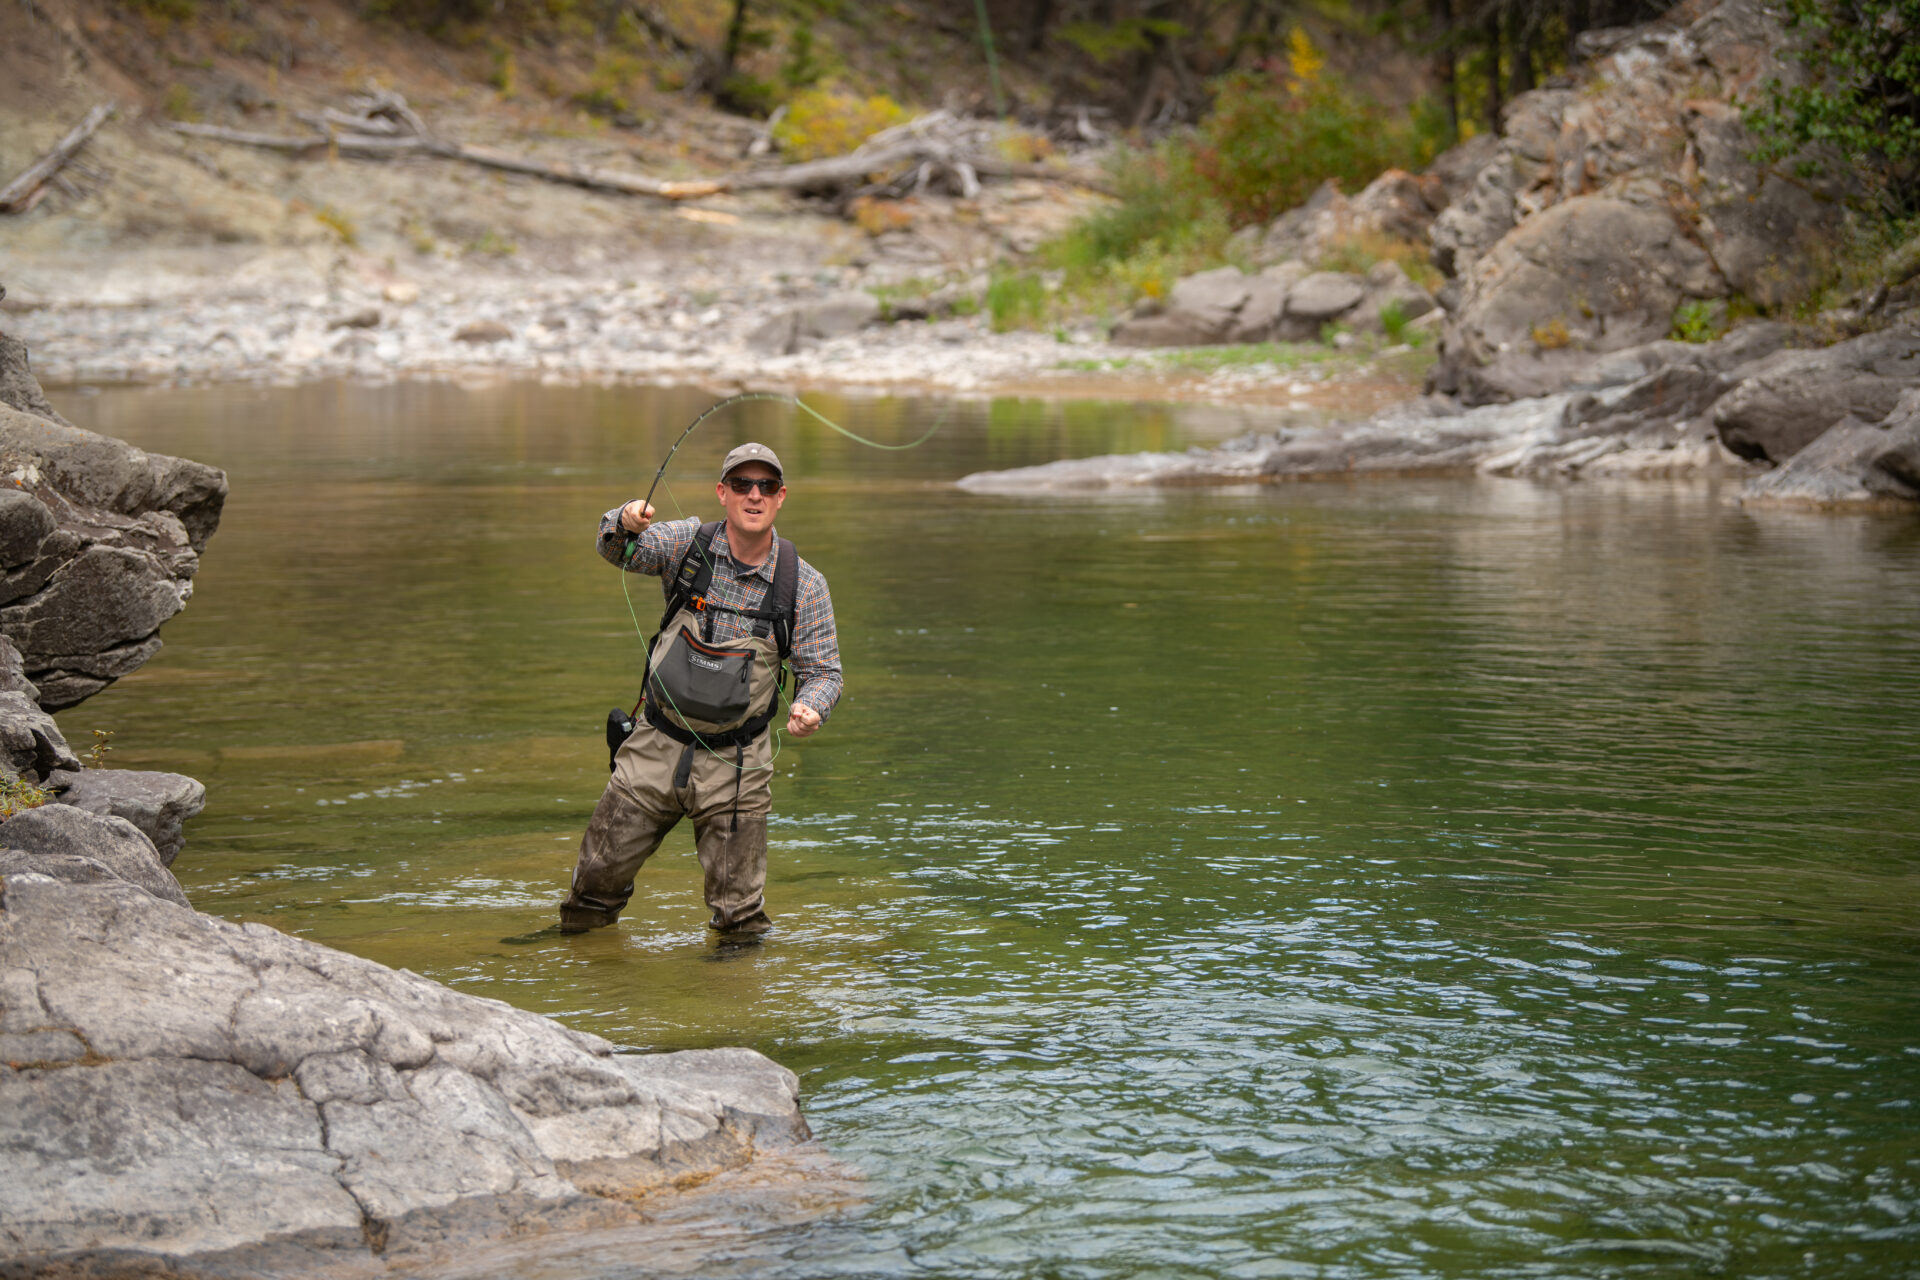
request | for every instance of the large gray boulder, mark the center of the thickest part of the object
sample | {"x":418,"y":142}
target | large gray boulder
{"x":1852,"y":463}
{"x":99,"y":542}
{"x":157,"y":803}
{"x":1607,"y":205}
{"x":1592,"y":274}
{"x":1790,"y":399}
{"x":183,"y":1095}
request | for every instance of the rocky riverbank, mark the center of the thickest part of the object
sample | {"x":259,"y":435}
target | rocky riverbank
{"x":181,"y":1095}
{"x":1828,"y":426}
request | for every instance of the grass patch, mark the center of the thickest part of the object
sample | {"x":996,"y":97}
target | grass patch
{"x":1016,"y":300}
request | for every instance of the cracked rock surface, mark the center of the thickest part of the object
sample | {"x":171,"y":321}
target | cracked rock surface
{"x":178,"y":1087}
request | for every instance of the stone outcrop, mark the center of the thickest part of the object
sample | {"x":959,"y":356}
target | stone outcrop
{"x":1852,"y":463}
{"x":1846,"y":420}
{"x":183,"y":1093}
{"x":99,"y":542}
{"x":1610,"y":203}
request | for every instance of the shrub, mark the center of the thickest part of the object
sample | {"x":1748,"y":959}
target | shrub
{"x":1697,"y":320}
{"x":1016,"y":300}
{"x":1862,"y":96}
{"x":1279,"y":131}
{"x":17,"y":794}
{"x":1159,"y":200}
{"x":827,"y":122}
{"x":1393,"y":321}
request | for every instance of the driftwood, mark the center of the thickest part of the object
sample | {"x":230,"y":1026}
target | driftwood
{"x":24,"y":191}
{"x":938,"y":144}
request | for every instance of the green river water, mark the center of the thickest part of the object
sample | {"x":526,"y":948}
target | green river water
{"x":1411,"y":878}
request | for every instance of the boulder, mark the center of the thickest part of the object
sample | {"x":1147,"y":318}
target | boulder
{"x":1605,"y":205}
{"x":32,"y":743}
{"x":1791,"y":398}
{"x":1593,"y":274}
{"x":99,"y":542}
{"x":838,"y":314}
{"x":1319,"y":299}
{"x":1390,"y":288}
{"x":1211,"y":300}
{"x":159,"y":804}
{"x":183,"y":1094}
{"x":1852,"y":462}
{"x":19,"y":389}
{"x":67,"y":834}
{"x":482,"y":331}
{"x":787,"y":331}
{"x":13,"y":673}
{"x":1259,"y":317}
{"x":1162,"y":329}
{"x":1396,"y":206}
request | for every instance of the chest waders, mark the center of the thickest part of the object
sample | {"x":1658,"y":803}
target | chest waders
{"x":714,"y":694}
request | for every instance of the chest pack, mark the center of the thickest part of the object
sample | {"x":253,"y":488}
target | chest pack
{"x":720,"y":693}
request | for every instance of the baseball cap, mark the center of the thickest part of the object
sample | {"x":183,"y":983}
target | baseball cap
{"x":751,"y":452}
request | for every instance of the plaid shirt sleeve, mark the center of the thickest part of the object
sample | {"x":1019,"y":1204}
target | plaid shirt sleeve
{"x":816,"y":644}
{"x":652,"y":552}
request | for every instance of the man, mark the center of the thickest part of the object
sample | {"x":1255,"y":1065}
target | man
{"x":703,"y":749}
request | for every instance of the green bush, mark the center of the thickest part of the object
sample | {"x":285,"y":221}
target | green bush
{"x":1016,"y":300}
{"x":827,"y":122}
{"x":1862,"y":95}
{"x":1161,"y":205}
{"x":1279,"y":131}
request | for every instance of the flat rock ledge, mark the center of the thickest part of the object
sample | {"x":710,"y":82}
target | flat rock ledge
{"x":181,"y":1095}
{"x":1836,"y":427}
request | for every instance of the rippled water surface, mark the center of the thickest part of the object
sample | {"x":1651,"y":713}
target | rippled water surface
{"x":1410,"y":878}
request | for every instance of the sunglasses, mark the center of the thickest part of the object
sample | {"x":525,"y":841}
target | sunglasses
{"x":768,"y":485}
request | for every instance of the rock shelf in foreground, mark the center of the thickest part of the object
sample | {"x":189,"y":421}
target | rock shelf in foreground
{"x":228,"y":1097}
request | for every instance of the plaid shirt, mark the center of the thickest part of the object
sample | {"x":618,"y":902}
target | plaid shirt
{"x":816,"y":645}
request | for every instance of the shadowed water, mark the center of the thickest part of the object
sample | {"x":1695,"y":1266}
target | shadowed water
{"x":1420,"y":878}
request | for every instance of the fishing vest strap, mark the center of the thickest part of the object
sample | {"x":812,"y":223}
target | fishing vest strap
{"x":693,"y":577}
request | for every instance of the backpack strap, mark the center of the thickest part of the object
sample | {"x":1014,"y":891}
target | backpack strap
{"x":777,"y":616}
{"x":694,"y":574}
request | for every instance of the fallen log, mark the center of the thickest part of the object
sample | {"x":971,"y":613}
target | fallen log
{"x":23,"y":192}
{"x":938,"y":139}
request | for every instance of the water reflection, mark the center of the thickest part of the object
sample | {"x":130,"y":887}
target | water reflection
{"x":1418,"y":878}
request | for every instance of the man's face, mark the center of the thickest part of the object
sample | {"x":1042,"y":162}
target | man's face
{"x":751,"y":512}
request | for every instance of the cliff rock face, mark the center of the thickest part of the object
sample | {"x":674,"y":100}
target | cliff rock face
{"x":1608,"y":205}
{"x":99,"y":541}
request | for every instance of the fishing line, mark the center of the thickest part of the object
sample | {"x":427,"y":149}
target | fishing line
{"x":647,"y":503}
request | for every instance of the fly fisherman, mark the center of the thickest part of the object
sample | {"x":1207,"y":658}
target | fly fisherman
{"x":740,"y":602}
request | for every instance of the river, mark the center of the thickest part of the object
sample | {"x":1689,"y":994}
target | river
{"x":1436,"y":878}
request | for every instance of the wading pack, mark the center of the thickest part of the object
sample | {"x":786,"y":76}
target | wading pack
{"x":717,"y":693}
